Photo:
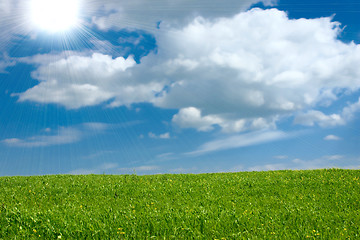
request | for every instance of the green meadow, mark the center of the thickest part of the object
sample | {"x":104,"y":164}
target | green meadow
{"x":316,"y":204}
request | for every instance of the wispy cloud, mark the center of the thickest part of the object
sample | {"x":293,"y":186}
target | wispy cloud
{"x":268,"y":167}
{"x":98,"y":154}
{"x":5,"y":62}
{"x":243,"y":140}
{"x":332,"y":138}
{"x":329,"y":161}
{"x":161,"y":136}
{"x":62,"y":136}
{"x":98,"y":170}
{"x":114,"y":168}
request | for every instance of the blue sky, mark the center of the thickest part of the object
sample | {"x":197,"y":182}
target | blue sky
{"x":151,"y":87}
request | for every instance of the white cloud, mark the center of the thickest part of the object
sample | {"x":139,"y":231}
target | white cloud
{"x":79,"y":81}
{"x":191,"y":118}
{"x":161,"y":136}
{"x":16,"y":15}
{"x":114,"y":168}
{"x":146,"y":169}
{"x":268,"y":167}
{"x":104,"y":168}
{"x":332,"y":161}
{"x":238,"y":141}
{"x":142,"y":14}
{"x":349,"y":111}
{"x":312,"y":117}
{"x":97,"y":126}
{"x":166,"y":156}
{"x":63,"y":136}
{"x":5,"y":62}
{"x":241,"y":72}
{"x":332,"y":138}
{"x":333,"y":157}
{"x":12,"y":20}
{"x":280,"y":67}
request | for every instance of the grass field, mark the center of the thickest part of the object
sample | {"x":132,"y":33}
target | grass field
{"x":319,"y":204}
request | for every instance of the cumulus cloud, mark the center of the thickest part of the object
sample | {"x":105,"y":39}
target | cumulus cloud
{"x":79,"y":81}
{"x":332,"y":138}
{"x":258,"y":63}
{"x":312,"y":117}
{"x":191,"y":118}
{"x":240,"y":72}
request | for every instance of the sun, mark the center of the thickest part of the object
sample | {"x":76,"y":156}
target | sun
{"x":54,"y":15}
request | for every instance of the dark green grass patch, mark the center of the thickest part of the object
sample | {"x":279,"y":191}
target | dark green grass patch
{"x":319,"y":204}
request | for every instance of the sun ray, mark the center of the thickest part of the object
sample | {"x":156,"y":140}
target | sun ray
{"x":54,"y":15}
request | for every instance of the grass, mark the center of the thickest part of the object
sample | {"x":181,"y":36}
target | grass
{"x":318,"y":204}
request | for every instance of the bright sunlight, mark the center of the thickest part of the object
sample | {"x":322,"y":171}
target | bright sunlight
{"x":54,"y":15}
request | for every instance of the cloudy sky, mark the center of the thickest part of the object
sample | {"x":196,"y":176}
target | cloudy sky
{"x":178,"y":86}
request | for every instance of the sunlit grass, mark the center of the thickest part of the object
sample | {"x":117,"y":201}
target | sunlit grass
{"x":320,"y":204}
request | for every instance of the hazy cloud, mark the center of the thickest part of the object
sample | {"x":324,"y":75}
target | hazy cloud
{"x":281,"y":157}
{"x":60,"y":136}
{"x":237,"y":141}
{"x":63,"y":136}
{"x":142,"y":14}
{"x":332,"y":138}
{"x":332,"y":161}
{"x":161,"y":136}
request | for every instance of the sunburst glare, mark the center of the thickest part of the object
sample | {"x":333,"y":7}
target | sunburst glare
{"x":54,"y":15}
